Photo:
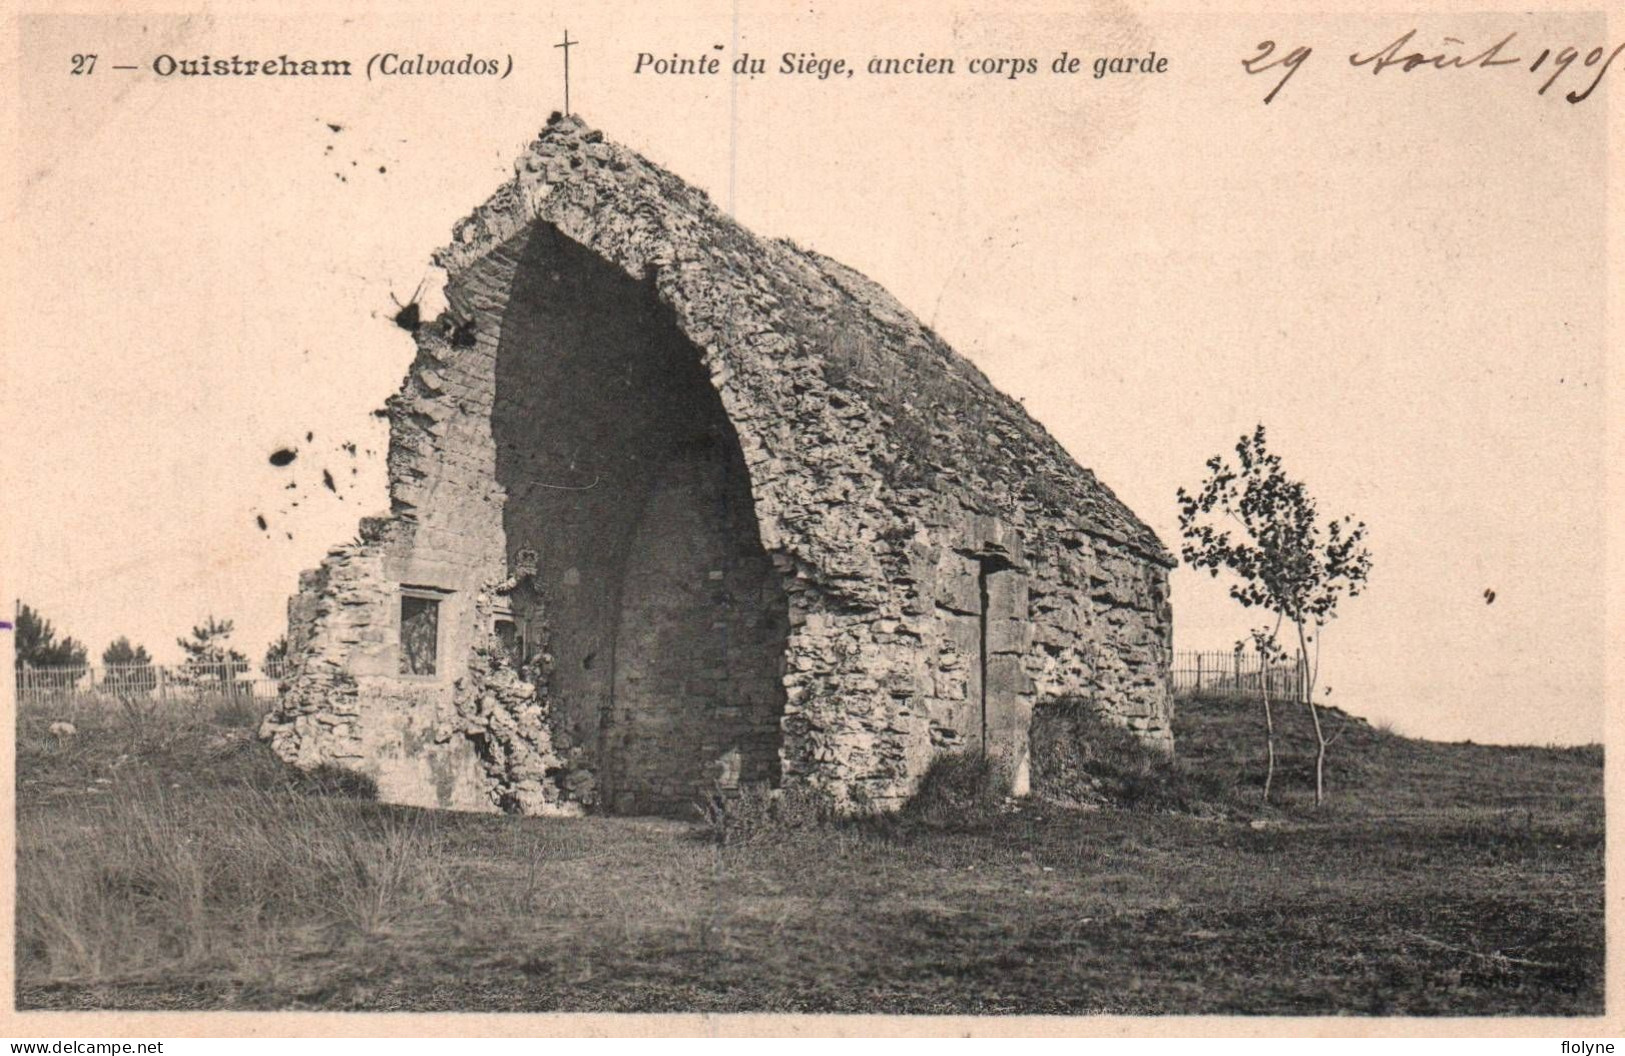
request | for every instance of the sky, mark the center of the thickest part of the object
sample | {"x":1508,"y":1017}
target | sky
{"x":1402,"y":277}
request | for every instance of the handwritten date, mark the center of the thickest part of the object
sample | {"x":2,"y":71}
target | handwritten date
{"x":1401,"y":54}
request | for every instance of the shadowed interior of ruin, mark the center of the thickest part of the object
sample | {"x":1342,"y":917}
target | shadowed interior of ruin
{"x":663,"y":617}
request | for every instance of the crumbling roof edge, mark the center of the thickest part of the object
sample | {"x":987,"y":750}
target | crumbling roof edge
{"x":538,"y":175}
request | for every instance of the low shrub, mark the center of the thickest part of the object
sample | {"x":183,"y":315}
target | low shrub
{"x":751,"y":813}
{"x":330,"y":780}
{"x":237,"y":710}
{"x":1081,"y":757}
{"x":958,"y":789}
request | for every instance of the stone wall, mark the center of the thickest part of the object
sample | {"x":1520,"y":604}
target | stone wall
{"x":698,"y":693}
{"x":904,"y":561}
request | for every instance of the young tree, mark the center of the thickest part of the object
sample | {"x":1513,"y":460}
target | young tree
{"x":37,"y":645}
{"x":1264,"y":641}
{"x":209,"y":655}
{"x":1252,"y":520}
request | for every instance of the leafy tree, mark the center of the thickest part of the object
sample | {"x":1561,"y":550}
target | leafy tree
{"x":37,"y":644}
{"x":1252,"y":520}
{"x":129,"y":669}
{"x":210,"y":659}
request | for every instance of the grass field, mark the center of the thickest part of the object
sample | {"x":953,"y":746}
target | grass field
{"x":171,"y":863}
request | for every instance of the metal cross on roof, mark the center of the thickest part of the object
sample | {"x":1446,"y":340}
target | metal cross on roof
{"x":568,"y":43}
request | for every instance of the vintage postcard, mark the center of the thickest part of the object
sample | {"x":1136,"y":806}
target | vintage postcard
{"x":1068,"y":517}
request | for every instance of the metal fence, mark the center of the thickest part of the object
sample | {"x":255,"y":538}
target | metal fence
{"x":1237,"y":674}
{"x":150,"y":682}
{"x":1215,"y":674}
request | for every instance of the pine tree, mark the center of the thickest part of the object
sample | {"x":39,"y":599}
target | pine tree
{"x":210,"y":659}
{"x":37,"y":645}
{"x":128,"y":668}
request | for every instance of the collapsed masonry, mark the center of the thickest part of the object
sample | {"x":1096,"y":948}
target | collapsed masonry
{"x":677,"y":507}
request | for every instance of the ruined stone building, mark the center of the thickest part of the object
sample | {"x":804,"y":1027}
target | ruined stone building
{"x":675,"y":506}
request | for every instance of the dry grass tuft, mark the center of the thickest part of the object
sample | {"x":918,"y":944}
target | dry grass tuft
{"x":155,"y":877}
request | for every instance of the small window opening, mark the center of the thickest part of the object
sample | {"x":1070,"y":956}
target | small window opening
{"x":420,"y":634}
{"x":512,"y":646}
